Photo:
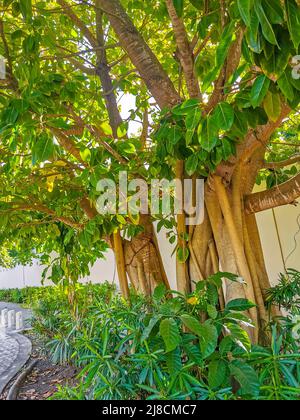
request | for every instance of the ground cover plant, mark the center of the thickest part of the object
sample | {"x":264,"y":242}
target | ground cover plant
{"x":169,"y":347}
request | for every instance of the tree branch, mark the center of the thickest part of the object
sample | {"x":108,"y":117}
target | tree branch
{"x":283,"y":163}
{"x":102,"y":71}
{"x":88,"y":209}
{"x":45,"y":210}
{"x":80,"y":66}
{"x":8,"y":57}
{"x":141,"y":55}
{"x":98,"y":136}
{"x":286,"y":193}
{"x":96,"y":133}
{"x":185,"y":51}
{"x":67,"y":144}
{"x":255,"y":139}
{"x":67,"y":10}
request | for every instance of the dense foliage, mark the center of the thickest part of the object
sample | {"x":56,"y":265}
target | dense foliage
{"x":158,"y":349}
{"x":287,"y":293}
{"x":30,"y":296}
{"x":58,"y":134}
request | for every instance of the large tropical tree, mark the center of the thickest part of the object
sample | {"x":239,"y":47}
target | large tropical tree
{"x":216,"y":94}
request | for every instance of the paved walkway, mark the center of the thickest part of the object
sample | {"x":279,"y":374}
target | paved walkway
{"x":15,"y":349}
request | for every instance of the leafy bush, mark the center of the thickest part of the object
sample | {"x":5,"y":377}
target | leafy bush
{"x":166,"y":347}
{"x":30,"y":295}
{"x":287,"y":293}
{"x":14,"y":295}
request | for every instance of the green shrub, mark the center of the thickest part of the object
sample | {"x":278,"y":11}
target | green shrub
{"x":22,"y":296}
{"x":165,"y":347}
{"x":31,"y":295}
{"x":287,"y":293}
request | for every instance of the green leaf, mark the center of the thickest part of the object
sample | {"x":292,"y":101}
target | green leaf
{"x":43,"y":149}
{"x":192,"y":324}
{"x":240,"y":318}
{"x":159,"y":292}
{"x":290,"y":378}
{"x":26,"y":8}
{"x":68,"y":237}
{"x":226,"y":40}
{"x":274,"y":61}
{"x":274,"y":11}
{"x":245,"y":10}
{"x":223,"y":116}
{"x":191,"y":164}
{"x":216,"y":373}
{"x":147,"y":331}
{"x":207,"y":333}
{"x":272,"y":105}
{"x":212,"y":311}
{"x":239,"y":305}
{"x":253,"y":35}
{"x":208,"y":137}
{"x":173,"y":360}
{"x":197,"y":3}
{"x":7,"y":3}
{"x":259,"y":90}
{"x":208,"y":339}
{"x":246,"y":377}
{"x":226,"y":345}
{"x":10,"y":115}
{"x":127,"y":147}
{"x":240,"y":126}
{"x":178,"y":4}
{"x":228,"y":148}
{"x":239,"y":336}
{"x":206,"y":21}
{"x":293,"y":21}
{"x":191,"y":122}
{"x":121,"y":219}
{"x":186,"y":107}
{"x":175,"y":134}
{"x":170,"y":333}
{"x":122,"y":131}
{"x":193,"y":118}
{"x":85,"y":155}
{"x":216,"y":155}
{"x":266,"y":25}
{"x":183,"y":254}
{"x":15,"y":9}
{"x":285,"y":86}
{"x":189,"y":136}
{"x":85,"y":238}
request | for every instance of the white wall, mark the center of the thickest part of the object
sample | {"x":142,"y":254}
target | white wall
{"x":20,"y":277}
{"x":288,"y":221}
{"x":105,"y":270}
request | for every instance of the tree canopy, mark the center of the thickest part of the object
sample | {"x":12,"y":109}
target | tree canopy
{"x":216,"y":93}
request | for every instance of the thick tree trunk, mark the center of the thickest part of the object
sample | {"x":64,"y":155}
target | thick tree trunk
{"x":183,"y":283}
{"x":121,"y":266}
{"x":228,"y":240}
{"x":143,"y":260}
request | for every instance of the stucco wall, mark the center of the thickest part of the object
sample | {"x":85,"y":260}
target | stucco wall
{"x":288,"y":222}
{"x":105,"y":270}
